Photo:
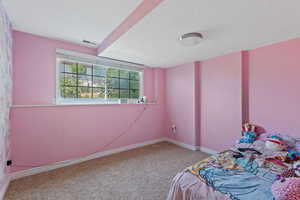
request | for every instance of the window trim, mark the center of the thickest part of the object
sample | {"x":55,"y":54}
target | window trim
{"x":63,"y":55}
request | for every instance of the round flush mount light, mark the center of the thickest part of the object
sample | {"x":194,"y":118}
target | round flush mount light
{"x":190,"y":39}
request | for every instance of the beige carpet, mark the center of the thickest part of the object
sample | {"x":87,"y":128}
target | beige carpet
{"x":142,"y":174}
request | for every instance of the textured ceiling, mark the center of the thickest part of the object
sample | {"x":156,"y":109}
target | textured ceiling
{"x":227,"y":26}
{"x":70,"y":20}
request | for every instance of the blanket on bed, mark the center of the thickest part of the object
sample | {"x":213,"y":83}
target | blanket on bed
{"x":239,"y":184}
{"x":243,"y":176}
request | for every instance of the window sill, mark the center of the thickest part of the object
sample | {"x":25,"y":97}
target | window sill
{"x":81,"y":104}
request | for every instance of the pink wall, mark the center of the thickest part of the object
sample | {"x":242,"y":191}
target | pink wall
{"x":34,"y":67}
{"x":181,"y":104}
{"x":265,"y":80}
{"x":42,"y":135}
{"x":211,"y":97}
{"x":274,"y":87}
{"x":204,"y":101}
{"x":197,"y":113}
{"x":220,"y":98}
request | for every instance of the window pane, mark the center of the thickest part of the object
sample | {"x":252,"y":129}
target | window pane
{"x":134,"y":84}
{"x":135,"y":76}
{"x":99,"y":71}
{"x":124,"y":94}
{"x":84,"y":80}
{"x":124,"y":74}
{"x":89,"y":70}
{"x":70,"y":67}
{"x":113,"y":93}
{"x":84,"y":69}
{"x":111,"y":72}
{"x":70,"y":80}
{"x":98,"y":81}
{"x":61,"y":79}
{"x":134,"y":94}
{"x":84,"y":92}
{"x":68,"y":92}
{"x":112,"y":82}
{"x":124,"y":84}
{"x":61,"y":67}
{"x":99,"y":93}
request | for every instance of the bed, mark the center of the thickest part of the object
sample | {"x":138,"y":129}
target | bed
{"x":230,"y":174}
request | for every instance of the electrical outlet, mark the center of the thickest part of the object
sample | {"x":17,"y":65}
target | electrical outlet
{"x":173,"y":128}
{"x":8,"y":162}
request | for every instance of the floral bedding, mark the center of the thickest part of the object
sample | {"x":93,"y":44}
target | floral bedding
{"x":246,"y":171}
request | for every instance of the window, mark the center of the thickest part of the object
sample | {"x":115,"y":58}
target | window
{"x":80,"y":82}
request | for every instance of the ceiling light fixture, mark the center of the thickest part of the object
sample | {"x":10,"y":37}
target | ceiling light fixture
{"x":191,"y":39}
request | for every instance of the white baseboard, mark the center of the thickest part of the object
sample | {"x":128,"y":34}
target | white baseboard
{"x":37,"y":170}
{"x":191,"y":147}
{"x":3,"y":189}
{"x":209,"y":151}
{"x":186,"y":146}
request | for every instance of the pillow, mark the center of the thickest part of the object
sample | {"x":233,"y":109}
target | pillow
{"x":290,"y":141}
{"x":263,"y":136}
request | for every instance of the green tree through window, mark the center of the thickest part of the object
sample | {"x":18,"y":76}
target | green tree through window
{"x":83,"y":81}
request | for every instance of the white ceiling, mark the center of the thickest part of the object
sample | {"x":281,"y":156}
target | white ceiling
{"x":70,"y":20}
{"x":227,"y":26}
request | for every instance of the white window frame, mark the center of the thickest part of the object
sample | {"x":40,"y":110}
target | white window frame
{"x":64,"y":55}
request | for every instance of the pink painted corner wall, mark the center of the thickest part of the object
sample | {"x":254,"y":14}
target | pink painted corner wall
{"x":207,"y":101}
{"x":43,"y":135}
{"x":34,"y":67}
{"x":180,"y":103}
{"x":259,"y":86}
{"x":220,"y":100}
{"x":203,"y":100}
{"x":274,"y":84}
